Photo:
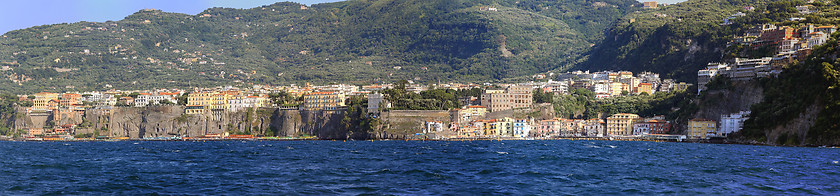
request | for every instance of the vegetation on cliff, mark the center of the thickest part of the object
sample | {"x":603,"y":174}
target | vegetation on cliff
{"x":8,"y":113}
{"x":677,"y":40}
{"x":816,"y":81}
{"x":349,"y":41}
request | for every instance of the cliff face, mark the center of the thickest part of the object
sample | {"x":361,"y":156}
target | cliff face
{"x":160,"y":121}
{"x":733,"y":98}
{"x":795,"y":132}
{"x":740,"y":97}
{"x":171,"y":121}
{"x":403,"y":124}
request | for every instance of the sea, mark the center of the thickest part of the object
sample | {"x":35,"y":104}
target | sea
{"x":551,"y":167}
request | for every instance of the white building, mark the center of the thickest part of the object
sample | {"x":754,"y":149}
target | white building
{"x":341,"y":88}
{"x":521,"y":128}
{"x":706,"y":75}
{"x":146,"y":100}
{"x":243,"y":103}
{"x":816,"y":39}
{"x":732,"y":122}
{"x":601,"y":87}
{"x":142,"y":101}
{"x":594,"y":127}
{"x":432,"y":126}
{"x":642,"y":128}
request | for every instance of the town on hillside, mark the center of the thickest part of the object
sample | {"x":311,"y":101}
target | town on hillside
{"x":475,"y":111}
{"x":491,"y":113}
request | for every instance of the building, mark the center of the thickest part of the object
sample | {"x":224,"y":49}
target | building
{"x":594,"y":127}
{"x":641,"y":128}
{"x":491,"y":128}
{"x":621,"y":124}
{"x":775,"y":36}
{"x":433,"y":126}
{"x":706,"y":75}
{"x":616,"y":88}
{"x":521,"y":128}
{"x":142,"y":100}
{"x":323,"y":101}
{"x":467,"y":114}
{"x":546,"y":128}
{"x":213,"y":100}
{"x":240,"y":103}
{"x":42,"y":100}
{"x":803,"y":9}
{"x":601,"y":88}
{"x":650,"y":5}
{"x":505,"y":126}
{"x":71,"y":101}
{"x":511,"y":98}
{"x":645,"y":88}
{"x":194,"y":109}
{"x":128,"y":101}
{"x":701,"y":128}
{"x":816,"y":38}
{"x":659,"y":126}
{"x":731,"y":123}
{"x":651,"y":126}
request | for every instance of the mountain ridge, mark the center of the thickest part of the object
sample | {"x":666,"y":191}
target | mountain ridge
{"x":357,"y":41}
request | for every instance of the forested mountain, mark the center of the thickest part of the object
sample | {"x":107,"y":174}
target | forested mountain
{"x":677,"y":40}
{"x":356,"y":41}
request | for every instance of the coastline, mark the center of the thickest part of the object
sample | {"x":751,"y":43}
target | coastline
{"x":422,"y":140}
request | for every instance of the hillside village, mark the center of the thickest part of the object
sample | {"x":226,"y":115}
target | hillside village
{"x":487,"y":115}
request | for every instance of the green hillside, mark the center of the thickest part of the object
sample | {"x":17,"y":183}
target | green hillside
{"x":357,"y":41}
{"x":675,"y":40}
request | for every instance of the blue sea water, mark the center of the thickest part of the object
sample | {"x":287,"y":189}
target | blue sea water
{"x":415,"y":168}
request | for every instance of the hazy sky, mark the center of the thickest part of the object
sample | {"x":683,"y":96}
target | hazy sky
{"x":20,"y":14}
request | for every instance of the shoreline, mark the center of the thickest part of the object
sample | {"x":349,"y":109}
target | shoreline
{"x":423,"y":140}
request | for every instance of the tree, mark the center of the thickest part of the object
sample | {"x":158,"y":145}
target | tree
{"x":282,"y":98}
{"x":400,"y":85}
{"x":182,"y":100}
{"x":165,"y":102}
{"x":542,"y":97}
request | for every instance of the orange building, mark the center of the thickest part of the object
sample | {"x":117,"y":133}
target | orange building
{"x":70,"y":100}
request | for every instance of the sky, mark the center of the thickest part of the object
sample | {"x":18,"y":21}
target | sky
{"x":21,"y":14}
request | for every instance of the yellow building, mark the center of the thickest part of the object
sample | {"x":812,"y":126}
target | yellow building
{"x":491,"y":128}
{"x":505,"y":126}
{"x":645,"y":88}
{"x":701,"y":128}
{"x":42,"y":100}
{"x":616,"y":88}
{"x":612,"y":77}
{"x":621,"y":124}
{"x":194,"y":109}
{"x":199,"y":98}
{"x":212,"y":100}
{"x":467,"y":114}
{"x":323,"y":101}
{"x":650,"y":4}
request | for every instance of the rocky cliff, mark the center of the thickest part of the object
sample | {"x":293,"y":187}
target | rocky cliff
{"x":172,"y":121}
{"x":739,"y":96}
